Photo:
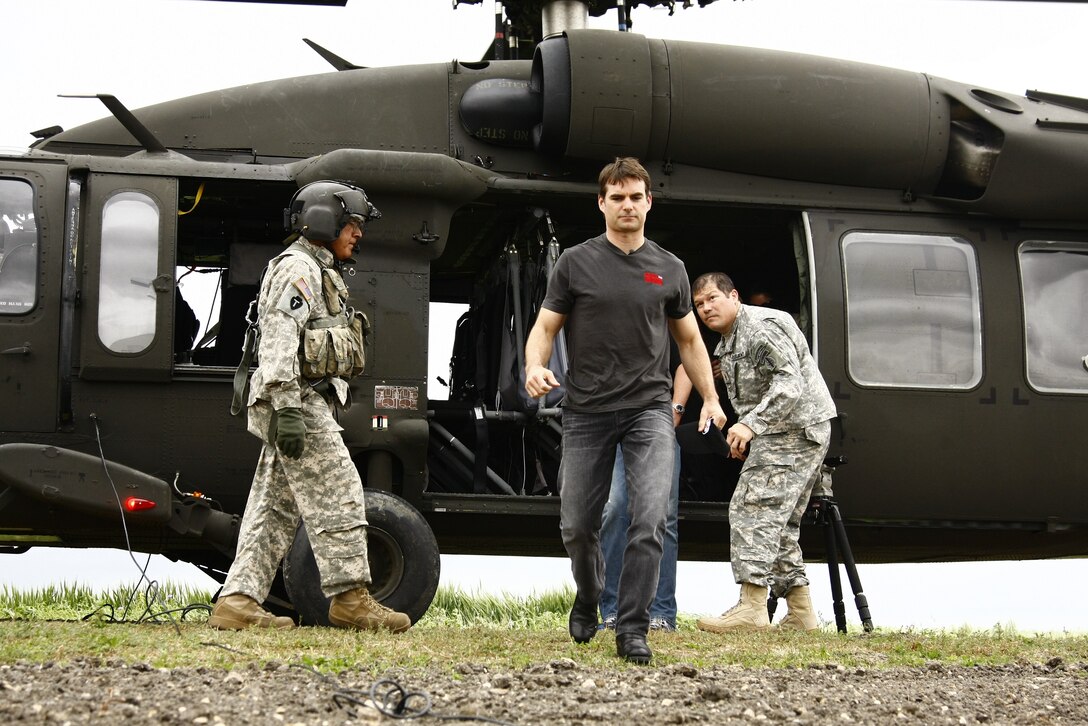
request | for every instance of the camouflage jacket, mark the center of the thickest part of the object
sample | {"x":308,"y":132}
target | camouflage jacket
{"x":290,"y":296}
{"x":772,"y":379}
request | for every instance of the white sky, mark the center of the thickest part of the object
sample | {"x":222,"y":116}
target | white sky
{"x":148,"y":51}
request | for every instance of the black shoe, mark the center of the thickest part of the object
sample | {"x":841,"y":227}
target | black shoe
{"x":583,"y":622}
{"x":633,"y":648}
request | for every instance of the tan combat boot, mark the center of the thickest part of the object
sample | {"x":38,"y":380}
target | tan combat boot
{"x":748,"y":614}
{"x":358,"y":609}
{"x":799,"y":615}
{"x":238,"y":612}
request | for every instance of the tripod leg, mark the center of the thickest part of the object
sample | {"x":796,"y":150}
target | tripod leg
{"x":851,"y":568}
{"x":833,"y":571}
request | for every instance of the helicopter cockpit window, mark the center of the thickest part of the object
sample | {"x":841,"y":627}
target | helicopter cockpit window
{"x":130,"y":245}
{"x":912,"y":311}
{"x":1054,"y":276}
{"x":18,"y":247}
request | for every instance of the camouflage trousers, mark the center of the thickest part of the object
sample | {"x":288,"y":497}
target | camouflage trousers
{"x":768,"y":503}
{"x":322,"y":488}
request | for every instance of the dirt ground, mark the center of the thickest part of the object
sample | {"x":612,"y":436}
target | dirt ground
{"x":557,"y":692}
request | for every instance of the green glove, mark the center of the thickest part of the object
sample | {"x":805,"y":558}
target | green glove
{"x":290,"y":432}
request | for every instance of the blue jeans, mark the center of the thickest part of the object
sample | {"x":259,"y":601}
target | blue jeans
{"x":647,"y":440}
{"x":613,"y":531}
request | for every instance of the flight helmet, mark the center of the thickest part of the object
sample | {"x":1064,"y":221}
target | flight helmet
{"x":319,"y":210}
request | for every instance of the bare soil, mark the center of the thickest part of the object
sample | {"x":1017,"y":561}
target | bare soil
{"x":561,"y":691}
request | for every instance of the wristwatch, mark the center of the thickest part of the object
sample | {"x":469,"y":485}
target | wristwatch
{"x":679,"y":408}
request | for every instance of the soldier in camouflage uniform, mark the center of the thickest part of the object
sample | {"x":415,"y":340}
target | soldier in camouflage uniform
{"x":304,"y":468}
{"x":782,"y":434}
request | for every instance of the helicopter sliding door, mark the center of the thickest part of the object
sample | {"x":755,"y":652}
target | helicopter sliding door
{"x":921,"y":330}
{"x":32,"y":234}
{"x":900,"y":336}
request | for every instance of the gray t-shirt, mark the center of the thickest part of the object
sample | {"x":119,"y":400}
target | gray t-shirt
{"x":617,"y":307}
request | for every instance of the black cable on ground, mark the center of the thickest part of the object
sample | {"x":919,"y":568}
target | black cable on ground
{"x":152,"y":592}
{"x":391,"y":699}
{"x":224,"y":647}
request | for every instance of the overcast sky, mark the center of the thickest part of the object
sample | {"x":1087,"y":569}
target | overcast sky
{"x":148,"y":51}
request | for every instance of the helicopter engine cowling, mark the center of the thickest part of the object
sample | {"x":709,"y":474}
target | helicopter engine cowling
{"x":594,"y":95}
{"x":742,"y":110}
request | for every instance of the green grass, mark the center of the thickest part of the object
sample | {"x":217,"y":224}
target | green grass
{"x":466,"y":628}
{"x":453,"y":607}
{"x":74,"y":602}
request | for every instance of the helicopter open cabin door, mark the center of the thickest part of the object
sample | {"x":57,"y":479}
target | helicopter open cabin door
{"x":32,"y":244}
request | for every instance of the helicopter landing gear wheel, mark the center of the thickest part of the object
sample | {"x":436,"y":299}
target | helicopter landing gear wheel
{"x":404,"y":562}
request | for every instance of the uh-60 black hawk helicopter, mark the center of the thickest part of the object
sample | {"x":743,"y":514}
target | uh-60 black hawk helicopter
{"x":931,"y":238}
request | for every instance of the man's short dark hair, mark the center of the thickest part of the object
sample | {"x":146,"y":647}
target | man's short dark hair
{"x":720,"y":280}
{"x":620,"y":170}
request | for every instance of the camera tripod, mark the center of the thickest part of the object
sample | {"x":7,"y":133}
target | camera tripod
{"x":824,"y":511}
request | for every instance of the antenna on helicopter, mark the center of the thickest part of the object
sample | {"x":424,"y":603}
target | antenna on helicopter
{"x":334,"y":60}
{"x":120,"y":112}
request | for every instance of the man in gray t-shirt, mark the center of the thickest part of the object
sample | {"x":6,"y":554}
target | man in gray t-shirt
{"x":618,"y":342}
{"x":619,"y":296}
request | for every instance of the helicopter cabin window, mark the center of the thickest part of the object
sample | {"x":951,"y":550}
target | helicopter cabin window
{"x":1054,"y":276}
{"x":130,"y":244}
{"x":912,"y":311}
{"x":18,"y":248}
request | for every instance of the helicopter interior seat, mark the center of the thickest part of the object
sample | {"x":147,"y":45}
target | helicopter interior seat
{"x":186,"y":326}
{"x":238,"y":288}
{"x":230,"y":334}
{"x":450,"y":468}
{"x":469,"y":454}
{"x":232,"y":323}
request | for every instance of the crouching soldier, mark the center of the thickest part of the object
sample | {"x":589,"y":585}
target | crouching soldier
{"x":310,"y":343}
{"x":783,"y":433}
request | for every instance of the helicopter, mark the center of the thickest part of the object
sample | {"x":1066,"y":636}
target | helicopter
{"x":925,"y":233}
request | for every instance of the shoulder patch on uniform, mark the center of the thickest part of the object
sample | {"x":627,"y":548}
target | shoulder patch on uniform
{"x":767,"y":358}
{"x":304,"y":288}
{"x":293,"y":303}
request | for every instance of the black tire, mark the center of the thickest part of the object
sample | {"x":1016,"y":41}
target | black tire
{"x":404,"y":562}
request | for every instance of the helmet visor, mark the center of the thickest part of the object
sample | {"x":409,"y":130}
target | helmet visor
{"x":356,"y":204}
{"x":358,"y":220}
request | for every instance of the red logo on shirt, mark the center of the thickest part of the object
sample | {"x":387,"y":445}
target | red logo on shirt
{"x":653,"y":278}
